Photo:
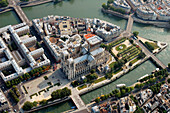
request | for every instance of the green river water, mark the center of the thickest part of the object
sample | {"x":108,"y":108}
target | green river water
{"x":91,"y":9}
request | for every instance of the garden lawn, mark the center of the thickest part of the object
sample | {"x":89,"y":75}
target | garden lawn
{"x":123,"y":47}
{"x":154,"y":45}
{"x":135,"y":60}
{"x":82,"y":87}
{"x":111,"y":65}
{"x":99,"y":80}
{"x":117,"y":71}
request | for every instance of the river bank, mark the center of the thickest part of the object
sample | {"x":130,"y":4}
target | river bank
{"x":6,"y":9}
{"x":49,"y":104}
{"x":160,"y":24}
{"x":24,"y":4}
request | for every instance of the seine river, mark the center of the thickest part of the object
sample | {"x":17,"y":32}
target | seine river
{"x":91,"y":9}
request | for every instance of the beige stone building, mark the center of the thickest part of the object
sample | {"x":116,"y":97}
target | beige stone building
{"x":82,"y":65}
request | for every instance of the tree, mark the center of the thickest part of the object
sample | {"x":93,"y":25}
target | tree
{"x":93,"y":71}
{"x":109,"y":1}
{"x":38,"y":45}
{"x":27,"y":105}
{"x":135,"y":33}
{"x":97,"y":100}
{"x":141,"y":55}
{"x":108,"y":75}
{"x":118,"y":95}
{"x":61,"y":93}
{"x":35,"y":103}
{"x":131,"y":41}
{"x":123,"y":91}
{"x":43,"y":102}
{"x":3,"y":3}
{"x":169,"y":65}
{"x":103,"y":45}
{"x":128,"y":89}
{"x":103,"y":97}
{"x":104,"y":6}
{"x":149,"y":46}
{"x":137,"y":86}
{"x":130,"y":64}
{"x":168,"y":80}
{"x":131,"y":88}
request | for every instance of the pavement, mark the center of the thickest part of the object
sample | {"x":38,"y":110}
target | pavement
{"x":40,"y":83}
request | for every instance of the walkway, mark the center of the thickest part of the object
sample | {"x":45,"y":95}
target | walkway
{"x":129,"y":24}
{"x":77,"y":99}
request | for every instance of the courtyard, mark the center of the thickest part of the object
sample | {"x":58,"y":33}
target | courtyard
{"x":42,"y":87}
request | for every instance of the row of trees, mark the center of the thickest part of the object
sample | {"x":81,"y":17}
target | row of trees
{"x":115,"y":93}
{"x":28,"y":105}
{"x":61,"y":93}
{"x":149,"y":46}
{"x":14,"y":93}
{"x":32,"y":74}
{"x":109,"y":75}
{"x":151,"y":80}
{"x":108,"y":6}
{"x":156,"y":88}
{"x":3,"y":3}
{"x":159,"y":73}
{"x":120,"y":10}
{"x":89,"y":78}
{"x":109,"y":47}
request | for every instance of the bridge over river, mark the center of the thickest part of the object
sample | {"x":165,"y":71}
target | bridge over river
{"x":20,"y":12}
{"x":144,"y":49}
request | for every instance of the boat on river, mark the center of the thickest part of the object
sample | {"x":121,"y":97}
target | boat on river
{"x":120,"y":85}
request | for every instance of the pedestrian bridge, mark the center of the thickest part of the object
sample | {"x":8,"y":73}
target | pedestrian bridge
{"x":129,"y":24}
{"x":77,"y":99}
{"x":21,"y":14}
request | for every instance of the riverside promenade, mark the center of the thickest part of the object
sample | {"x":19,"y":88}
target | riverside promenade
{"x":160,"y":24}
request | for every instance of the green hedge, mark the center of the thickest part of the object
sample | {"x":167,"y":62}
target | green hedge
{"x":41,"y":91}
{"x":33,"y":95}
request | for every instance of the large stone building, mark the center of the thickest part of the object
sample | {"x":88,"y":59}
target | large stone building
{"x":19,"y":53}
{"x":146,"y":13}
{"x":8,"y":63}
{"x":106,"y":30}
{"x":30,"y":55}
{"x":121,"y":4}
